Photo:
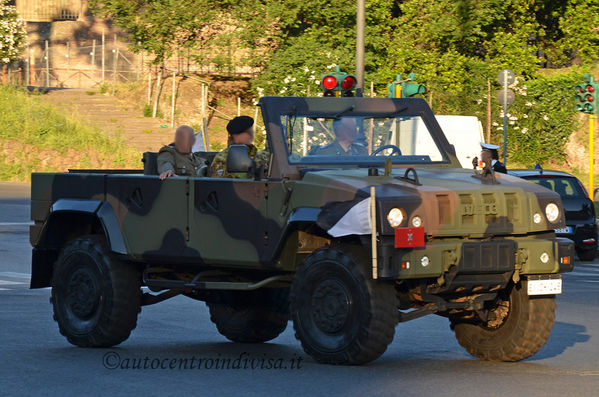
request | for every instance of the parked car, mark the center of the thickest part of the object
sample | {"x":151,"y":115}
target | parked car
{"x":581,"y":224}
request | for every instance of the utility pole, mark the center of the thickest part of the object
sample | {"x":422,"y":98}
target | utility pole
{"x":360,"y":25}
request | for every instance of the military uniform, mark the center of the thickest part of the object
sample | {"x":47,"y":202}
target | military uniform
{"x":218,"y":168}
{"x":181,"y":164}
{"x":499,"y":167}
{"x":335,"y":149}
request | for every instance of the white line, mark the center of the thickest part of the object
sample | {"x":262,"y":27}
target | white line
{"x":16,"y":223}
{"x":590,"y":281}
{"x":6,"y":282}
{"x":575,"y":273}
{"x":26,"y":276}
{"x":4,"y":289}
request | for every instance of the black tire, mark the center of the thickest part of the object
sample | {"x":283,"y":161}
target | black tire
{"x":587,"y":255}
{"x":340,"y":314}
{"x":251,"y":316}
{"x":520,"y":328}
{"x":95,"y":298}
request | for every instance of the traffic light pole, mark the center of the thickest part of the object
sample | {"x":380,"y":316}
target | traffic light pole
{"x":505,"y":118}
{"x":360,"y":22}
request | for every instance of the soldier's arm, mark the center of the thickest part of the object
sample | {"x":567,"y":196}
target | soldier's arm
{"x":218,"y":166}
{"x":166,"y":162}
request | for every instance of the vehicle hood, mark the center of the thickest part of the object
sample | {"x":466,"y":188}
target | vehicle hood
{"x":451,"y":202}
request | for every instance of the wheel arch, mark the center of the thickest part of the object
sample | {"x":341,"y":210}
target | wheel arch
{"x":68,"y":220}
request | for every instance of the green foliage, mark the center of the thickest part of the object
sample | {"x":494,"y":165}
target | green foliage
{"x":540,"y":120}
{"x":147,"y":110}
{"x":12,"y":33}
{"x":38,"y":129}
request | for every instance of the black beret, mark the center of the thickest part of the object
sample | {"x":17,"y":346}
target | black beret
{"x":239,"y":124}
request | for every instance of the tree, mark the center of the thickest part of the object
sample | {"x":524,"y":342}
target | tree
{"x":12,"y":33}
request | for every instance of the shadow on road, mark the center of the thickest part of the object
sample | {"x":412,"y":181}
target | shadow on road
{"x":563,"y":336}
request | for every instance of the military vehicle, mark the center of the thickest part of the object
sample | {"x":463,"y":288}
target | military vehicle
{"x":369,"y":229}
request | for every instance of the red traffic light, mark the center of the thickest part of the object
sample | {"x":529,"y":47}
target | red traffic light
{"x":589,"y":98}
{"x":329,"y":82}
{"x":348,"y":83}
{"x":590,"y":88}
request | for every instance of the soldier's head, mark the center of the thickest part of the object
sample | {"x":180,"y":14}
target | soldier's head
{"x":184,"y":139}
{"x":241,"y":130}
{"x":489,"y":153}
{"x":346,"y":129}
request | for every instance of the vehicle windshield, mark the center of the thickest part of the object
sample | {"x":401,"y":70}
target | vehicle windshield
{"x":359,"y":140}
{"x":564,"y":186}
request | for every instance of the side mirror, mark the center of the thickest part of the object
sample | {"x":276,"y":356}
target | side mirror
{"x":238,"y":159}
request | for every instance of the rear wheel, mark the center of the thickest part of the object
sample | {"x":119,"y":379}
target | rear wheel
{"x":519,"y":327}
{"x":251,"y":316}
{"x":95,"y":298}
{"x":340,"y":314}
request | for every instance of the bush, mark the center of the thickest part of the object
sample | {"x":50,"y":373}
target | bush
{"x":541,"y":119}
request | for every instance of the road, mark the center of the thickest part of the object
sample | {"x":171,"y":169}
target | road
{"x":424,"y":358}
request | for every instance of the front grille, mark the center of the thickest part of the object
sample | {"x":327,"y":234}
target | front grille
{"x":487,"y":257}
{"x":444,"y":208}
{"x":467,"y":209}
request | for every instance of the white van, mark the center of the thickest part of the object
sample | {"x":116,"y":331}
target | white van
{"x":465,"y":133}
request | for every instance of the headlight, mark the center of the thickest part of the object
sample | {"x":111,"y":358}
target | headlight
{"x":552,"y":212}
{"x":536,"y":218}
{"x":416,"y":221}
{"x":395,"y":217}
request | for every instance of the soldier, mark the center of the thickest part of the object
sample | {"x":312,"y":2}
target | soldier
{"x":178,"y":160}
{"x":241,"y":132}
{"x":345,"y":143}
{"x":490,"y":156}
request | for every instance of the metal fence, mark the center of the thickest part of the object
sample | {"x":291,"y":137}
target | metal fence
{"x":67,"y":65}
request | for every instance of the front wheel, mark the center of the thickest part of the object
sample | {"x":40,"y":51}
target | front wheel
{"x":519,"y":327}
{"x":340,"y":314}
{"x":95,"y":298}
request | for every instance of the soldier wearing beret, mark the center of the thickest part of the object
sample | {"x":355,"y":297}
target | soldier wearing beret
{"x":490,"y":156}
{"x":345,"y":143}
{"x":241,"y":132}
{"x":177,"y":159}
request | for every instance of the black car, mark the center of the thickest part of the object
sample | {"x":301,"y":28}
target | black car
{"x":580,"y":211}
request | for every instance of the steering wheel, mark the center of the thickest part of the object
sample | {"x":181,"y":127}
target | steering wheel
{"x":385,"y":147}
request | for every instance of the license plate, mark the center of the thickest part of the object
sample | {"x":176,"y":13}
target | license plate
{"x":564,"y":230}
{"x":545,"y":287}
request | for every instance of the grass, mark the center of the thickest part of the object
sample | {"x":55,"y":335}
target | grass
{"x":38,"y":137}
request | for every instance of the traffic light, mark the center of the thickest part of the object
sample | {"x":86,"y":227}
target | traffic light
{"x":586,"y":95}
{"x":403,"y":88}
{"x":338,"y":83}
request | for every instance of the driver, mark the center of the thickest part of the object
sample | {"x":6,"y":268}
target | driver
{"x":345,"y":143}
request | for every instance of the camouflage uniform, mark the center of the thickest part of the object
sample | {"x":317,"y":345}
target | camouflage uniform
{"x":181,"y":164}
{"x":218,"y":169}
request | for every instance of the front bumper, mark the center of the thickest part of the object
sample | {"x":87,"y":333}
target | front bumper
{"x":499,"y":256}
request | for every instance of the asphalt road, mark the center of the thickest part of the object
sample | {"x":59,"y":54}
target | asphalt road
{"x":423,"y":360}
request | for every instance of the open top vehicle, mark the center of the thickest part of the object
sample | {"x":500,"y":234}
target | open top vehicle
{"x":581,"y":226}
{"x":346,"y":246}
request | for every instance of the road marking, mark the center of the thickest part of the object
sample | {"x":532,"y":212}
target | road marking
{"x":15,"y":275}
{"x":6,"y":282}
{"x":16,"y":223}
{"x":26,"y":276}
{"x":4,"y":289}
